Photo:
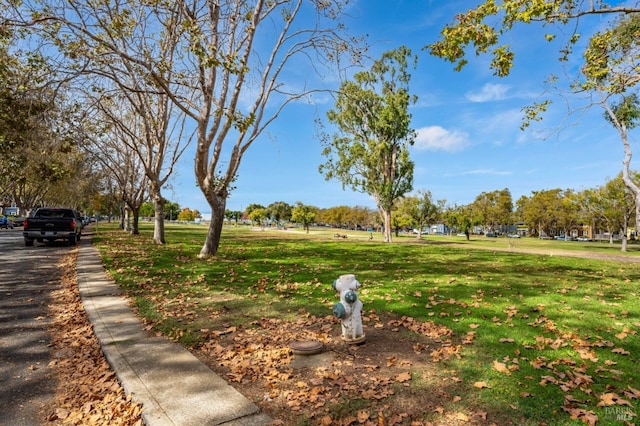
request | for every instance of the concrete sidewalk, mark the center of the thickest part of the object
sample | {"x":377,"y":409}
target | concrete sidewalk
{"x":173,"y":386}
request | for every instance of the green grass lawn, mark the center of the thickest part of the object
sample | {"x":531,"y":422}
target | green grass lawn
{"x":545,"y":336}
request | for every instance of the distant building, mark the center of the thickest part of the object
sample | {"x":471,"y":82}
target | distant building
{"x":439,"y":229}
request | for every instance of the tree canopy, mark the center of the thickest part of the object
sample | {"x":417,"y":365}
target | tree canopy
{"x":483,"y":29}
{"x":369,"y":152}
{"x":611,"y":61}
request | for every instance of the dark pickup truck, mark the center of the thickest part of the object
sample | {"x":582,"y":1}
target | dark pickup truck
{"x":51,"y":224}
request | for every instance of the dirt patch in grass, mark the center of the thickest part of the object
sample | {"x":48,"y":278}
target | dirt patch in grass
{"x":398,"y":376}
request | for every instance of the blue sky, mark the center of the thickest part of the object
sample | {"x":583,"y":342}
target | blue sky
{"x":467,"y":122}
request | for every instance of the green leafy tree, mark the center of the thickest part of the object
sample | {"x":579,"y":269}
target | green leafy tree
{"x":106,"y":202}
{"x":336,"y":216}
{"x":428,"y":212}
{"x":495,"y":209}
{"x":147,"y":210}
{"x":233,"y":215}
{"x":258,"y":215}
{"x":418,"y":211}
{"x":610,"y":73}
{"x":186,"y":214}
{"x":171,"y":210}
{"x":279,"y":211}
{"x":542,"y":211}
{"x":361,"y":215}
{"x":610,"y":206}
{"x":304,"y":215}
{"x":252,"y":207}
{"x":484,"y":27}
{"x":370,"y":151}
{"x":403,"y":215}
{"x":39,"y":153}
{"x":620,"y":202}
{"x":567,"y":213}
{"x":462,"y":219}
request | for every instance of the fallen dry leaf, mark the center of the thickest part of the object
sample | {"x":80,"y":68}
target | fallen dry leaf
{"x":481,"y":414}
{"x":620,"y":351}
{"x":583,"y":415}
{"x":610,"y":398}
{"x":403,"y":377}
{"x":635,"y":393}
{"x":462,"y":417}
{"x":363,"y":416}
{"x":87,"y":392}
{"x":587,"y":354}
{"x":501,"y":367}
{"x":326,"y":421}
{"x":607,"y":399}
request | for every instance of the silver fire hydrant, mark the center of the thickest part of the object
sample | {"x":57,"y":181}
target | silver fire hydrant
{"x":349,"y":308}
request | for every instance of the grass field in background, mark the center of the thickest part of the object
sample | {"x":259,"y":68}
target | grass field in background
{"x":543,"y":331}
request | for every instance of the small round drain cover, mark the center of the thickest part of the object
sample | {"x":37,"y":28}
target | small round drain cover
{"x":306,"y":347}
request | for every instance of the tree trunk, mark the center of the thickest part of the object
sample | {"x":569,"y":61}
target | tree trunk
{"x":158,"y":228}
{"x":625,"y":229}
{"x":626,"y":178}
{"x":212,"y":242}
{"x":123,"y":213}
{"x":135,"y":229}
{"x":127,"y":220}
{"x":386,"y":216}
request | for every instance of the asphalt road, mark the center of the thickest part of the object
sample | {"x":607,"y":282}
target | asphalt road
{"x":28,"y":276}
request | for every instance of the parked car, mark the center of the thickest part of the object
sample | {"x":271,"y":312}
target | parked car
{"x":52,"y":224}
{"x":583,"y":239}
{"x":491,"y":234}
{"x":513,"y":236}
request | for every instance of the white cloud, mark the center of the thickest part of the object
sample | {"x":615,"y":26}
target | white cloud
{"x":505,"y":121}
{"x":489,"y":92}
{"x":492,"y":172}
{"x":481,"y":172}
{"x":436,"y":138}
